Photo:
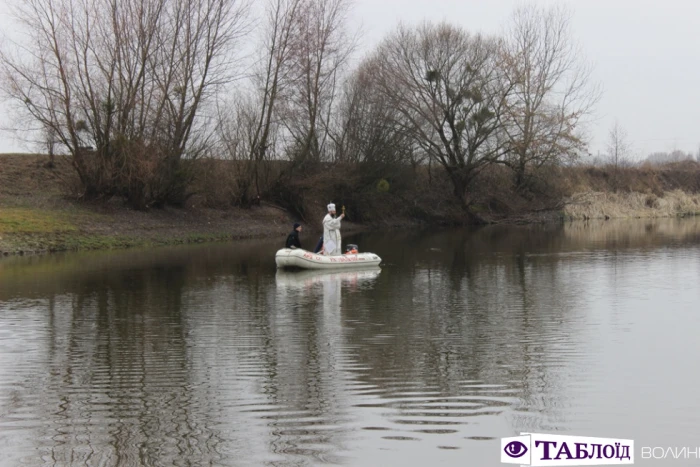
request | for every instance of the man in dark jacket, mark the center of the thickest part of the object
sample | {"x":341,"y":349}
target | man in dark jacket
{"x":293,"y":238}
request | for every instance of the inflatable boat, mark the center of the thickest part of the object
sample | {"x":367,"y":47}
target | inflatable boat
{"x":298,"y":258}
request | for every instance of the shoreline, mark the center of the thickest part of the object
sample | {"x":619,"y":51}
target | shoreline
{"x":40,"y":212}
{"x":151,"y":229}
{"x":260,"y":224}
{"x":631,"y":205}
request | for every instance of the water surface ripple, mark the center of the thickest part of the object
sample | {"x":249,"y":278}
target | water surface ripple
{"x":209,"y":356}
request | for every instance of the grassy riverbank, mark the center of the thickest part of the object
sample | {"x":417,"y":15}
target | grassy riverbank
{"x":671,"y":190}
{"x":38,"y":215}
{"x":40,"y":210}
{"x":35,"y":230}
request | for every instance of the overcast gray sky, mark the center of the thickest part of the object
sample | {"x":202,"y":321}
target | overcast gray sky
{"x":645,"y":54}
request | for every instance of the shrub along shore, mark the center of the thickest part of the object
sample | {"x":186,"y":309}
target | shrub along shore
{"x":41,"y":210}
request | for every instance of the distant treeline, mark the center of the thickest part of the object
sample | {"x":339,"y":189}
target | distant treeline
{"x":655,"y":158}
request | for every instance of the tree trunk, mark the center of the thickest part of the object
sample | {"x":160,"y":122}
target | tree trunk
{"x":520,"y":173}
{"x":460,"y":184}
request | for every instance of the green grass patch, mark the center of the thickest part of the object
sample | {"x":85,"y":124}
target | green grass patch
{"x":94,"y":242}
{"x":478,"y":208}
{"x":32,"y":221}
{"x":66,"y":241}
{"x":15,"y":242}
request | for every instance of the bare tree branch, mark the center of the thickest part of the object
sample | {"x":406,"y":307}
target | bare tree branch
{"x":129,"y":78}
{"x":551,"y":89}
{"x":449,"y":91}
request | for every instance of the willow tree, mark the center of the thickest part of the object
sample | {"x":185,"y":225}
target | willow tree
{"x":122,"y":85}
{"x":449,"y":90}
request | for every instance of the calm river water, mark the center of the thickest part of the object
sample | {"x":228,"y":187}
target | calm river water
{"x":207,"y":355}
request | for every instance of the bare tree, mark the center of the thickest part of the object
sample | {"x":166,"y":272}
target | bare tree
{"x":551,"y":89}
{"x":271,"y":80}
{"x":128,"y":78}
{"x":320,"y":49}
{"x":448,"y":89}
{"x":50,"y":142}
{"x":238,"y":128}
{"x":366,"y":129}
{"x":618,"y":149}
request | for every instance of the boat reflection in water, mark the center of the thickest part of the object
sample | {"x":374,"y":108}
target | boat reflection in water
{"x":316,"y":370}
{"x":311,"y":283}
{"x":310,"y":278}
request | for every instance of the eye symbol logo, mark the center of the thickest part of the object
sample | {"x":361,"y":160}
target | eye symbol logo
{"x":515,"y":449}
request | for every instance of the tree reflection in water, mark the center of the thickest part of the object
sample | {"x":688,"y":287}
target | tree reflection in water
{"x":209,"y":355}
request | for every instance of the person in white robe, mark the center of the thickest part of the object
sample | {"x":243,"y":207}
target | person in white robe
{"x":331,"y":232}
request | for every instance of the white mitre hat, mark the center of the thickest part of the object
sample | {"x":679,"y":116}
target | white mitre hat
{"x":331,"y":207}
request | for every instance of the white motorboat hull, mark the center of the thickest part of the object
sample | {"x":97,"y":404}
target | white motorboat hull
{"x":298,"y":258}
